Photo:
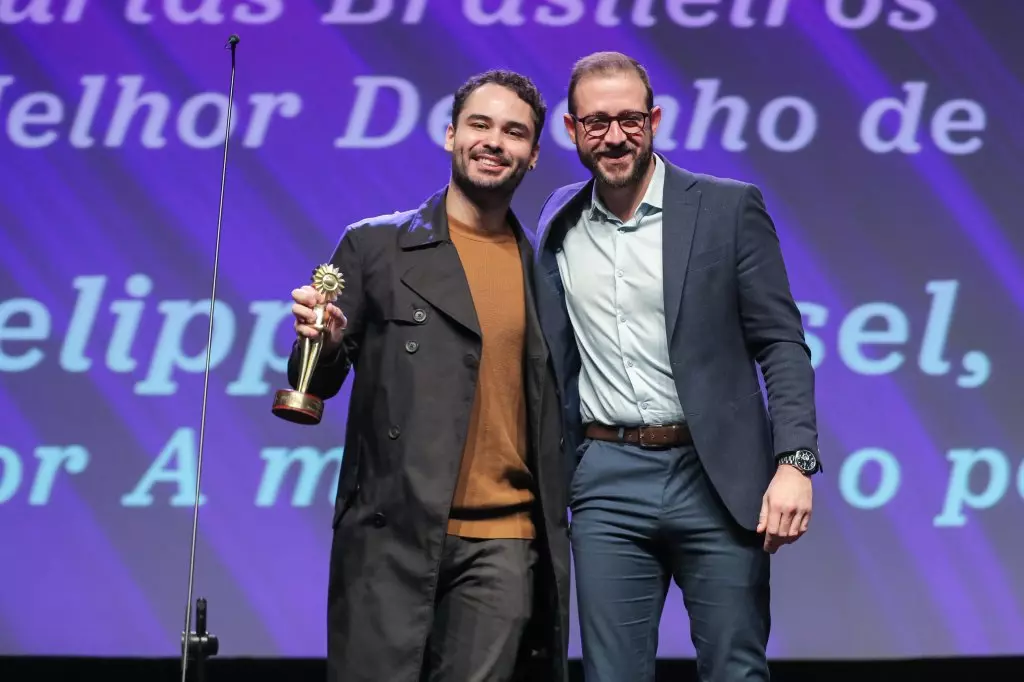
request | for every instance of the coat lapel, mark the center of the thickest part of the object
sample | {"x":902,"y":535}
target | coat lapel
{"x":678,"y":224}
{"x":555,"y":220}
{"x":434,"y":269}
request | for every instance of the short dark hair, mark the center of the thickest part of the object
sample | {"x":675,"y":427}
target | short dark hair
{"x":604,"y":63}
{"x":517,"y":83}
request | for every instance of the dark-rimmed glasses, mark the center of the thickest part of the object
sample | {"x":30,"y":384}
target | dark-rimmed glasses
{"x":598,"y":125}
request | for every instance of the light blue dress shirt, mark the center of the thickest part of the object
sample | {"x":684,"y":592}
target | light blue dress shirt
{"x":612,"y":273}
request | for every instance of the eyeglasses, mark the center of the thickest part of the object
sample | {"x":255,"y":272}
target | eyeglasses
{"x":598,"y":125}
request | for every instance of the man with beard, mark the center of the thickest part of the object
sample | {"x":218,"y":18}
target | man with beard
{"x":450,"y":554}
{"x":660,"y":291}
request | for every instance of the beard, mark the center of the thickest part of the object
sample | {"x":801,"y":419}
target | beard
{"x":642,"y":158}
{"x":487,"y":191}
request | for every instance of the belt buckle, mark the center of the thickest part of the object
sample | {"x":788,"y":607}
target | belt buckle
{"x":644,"y":430}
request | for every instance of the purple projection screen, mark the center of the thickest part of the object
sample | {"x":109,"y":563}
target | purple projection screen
{"x":885,"y":135}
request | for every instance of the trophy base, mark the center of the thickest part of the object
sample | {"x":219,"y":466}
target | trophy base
{"x":298,"y":408}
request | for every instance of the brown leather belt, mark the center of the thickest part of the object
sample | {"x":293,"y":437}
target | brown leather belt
{"x":660,"y":436}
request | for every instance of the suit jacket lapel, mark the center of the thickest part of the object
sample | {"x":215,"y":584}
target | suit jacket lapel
{"x":434,"y":269}
{"x":678,"y":225}
{"x":555,"y":219}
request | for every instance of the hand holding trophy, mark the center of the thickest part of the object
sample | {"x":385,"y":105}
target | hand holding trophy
{"x":298,"y":406}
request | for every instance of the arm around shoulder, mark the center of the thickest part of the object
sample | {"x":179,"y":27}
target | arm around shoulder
{"x":772,"y":326}
{"x":334,"y":366}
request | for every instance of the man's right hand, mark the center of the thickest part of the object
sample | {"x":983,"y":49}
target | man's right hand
{"x":302,"y":308}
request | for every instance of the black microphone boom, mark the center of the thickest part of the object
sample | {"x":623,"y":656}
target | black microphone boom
{"x":198,"y":644}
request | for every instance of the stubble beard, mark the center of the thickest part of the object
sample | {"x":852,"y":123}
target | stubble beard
{"x":641,"y":162}
{"x":486,"y":194}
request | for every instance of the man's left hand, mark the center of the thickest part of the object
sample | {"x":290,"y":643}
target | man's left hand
{"x":785,"y":508}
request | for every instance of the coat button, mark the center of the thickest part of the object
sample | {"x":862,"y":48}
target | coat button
{"x":379,"y":520}
{"x":419,"y":315}
{"x":394,"y":432}
{"x":411,"y":346}
{"x":470,"y":360}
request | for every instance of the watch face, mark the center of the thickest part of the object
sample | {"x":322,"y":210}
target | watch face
{"x":805,"y":460}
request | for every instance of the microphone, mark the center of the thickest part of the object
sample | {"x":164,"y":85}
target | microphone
{"x":198,"y":644}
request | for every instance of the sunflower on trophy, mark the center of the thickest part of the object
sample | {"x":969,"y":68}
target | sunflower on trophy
{"x":299,"y":406}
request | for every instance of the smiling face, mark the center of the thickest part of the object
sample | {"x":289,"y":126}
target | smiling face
{"x":492,"y":142}
{"x":613,"y":129}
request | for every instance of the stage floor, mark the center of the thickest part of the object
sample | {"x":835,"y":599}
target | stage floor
{"x":306,"y":670}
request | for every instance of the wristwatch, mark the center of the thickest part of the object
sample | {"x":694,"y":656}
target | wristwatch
{"x":805,"y":461}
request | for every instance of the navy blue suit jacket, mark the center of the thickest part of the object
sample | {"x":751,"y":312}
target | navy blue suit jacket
{"x":727,"y":306}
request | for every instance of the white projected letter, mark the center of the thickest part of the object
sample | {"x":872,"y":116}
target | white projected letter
{"x":176,"y":465}
{"x":908,"y":114}
{"x":83,"y":317}
{"x":190,"y":112}
{"x":10,"y":473}
{"x":572,"y":12}
{"x":946,"y":121}
{"x":170,"y":353}
{"x":312,"y":464}
{"x":128,"y":315}
{"x":854,"y":335}
{"x":936,"y":332}
{"x":52,"y":460}
{"x":80,"y":136}
{"x":509,"y":13}
{"x":265,"y":105}
{"x":869,"y":12}
{"x":39,"y":11}
{"x":408,"y":108}
{"x":32,"y":110}
{"x":208,"y":12}
{"x":959,"y":493}
{"x":913,"y":15}
{"x":341,"y":12}
{"x":35,"y":328}
{"x":678,"y":14}
{"x":260,"y":355}
{"x":806,"y":124}
{"x":128,"y":104}
{"x":266,"y":11}
{"x":704,"y":110}
{"x":851,"y":472}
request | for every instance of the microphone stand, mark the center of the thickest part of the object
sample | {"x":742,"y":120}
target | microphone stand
{"x":198,"y":644}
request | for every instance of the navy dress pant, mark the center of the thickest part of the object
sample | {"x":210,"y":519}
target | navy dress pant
{"x":640,"y":518}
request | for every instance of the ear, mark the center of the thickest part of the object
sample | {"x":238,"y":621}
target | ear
{"x":449,"y":138}
{"x":534,"y":155}
{"x":570,"y":126}
{"x":655,"y":120}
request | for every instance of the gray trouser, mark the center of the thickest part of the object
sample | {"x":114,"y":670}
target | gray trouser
{"x":640,"y":518}
{"x":484,"y":600}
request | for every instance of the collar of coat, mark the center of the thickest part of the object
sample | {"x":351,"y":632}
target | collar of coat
{"x":429,"y":224}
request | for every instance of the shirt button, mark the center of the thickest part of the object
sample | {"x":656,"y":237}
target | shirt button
{"x":622,"y":318}
{"x":618,"y":273}
{"x":629,"y":363}
{"x":643,"y":406}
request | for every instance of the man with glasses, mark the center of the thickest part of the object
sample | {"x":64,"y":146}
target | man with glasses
{"x":660,"y":292}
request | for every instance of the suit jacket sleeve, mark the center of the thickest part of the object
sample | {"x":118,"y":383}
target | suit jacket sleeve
{"x":772,"y":327}
{"x":331,"y":371}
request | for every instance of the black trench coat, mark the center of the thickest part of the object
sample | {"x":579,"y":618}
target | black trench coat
{"x":413,"y":343}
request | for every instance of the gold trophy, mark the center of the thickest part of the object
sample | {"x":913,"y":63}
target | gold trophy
{"x":298,"y":406}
